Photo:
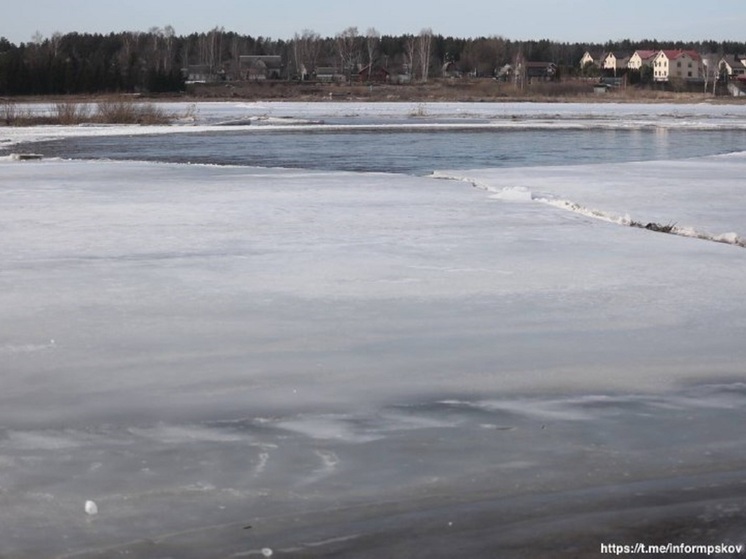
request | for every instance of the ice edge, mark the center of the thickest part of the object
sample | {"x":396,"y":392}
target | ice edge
{"x":521,"y":194}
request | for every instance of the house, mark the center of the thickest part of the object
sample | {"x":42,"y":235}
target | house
{"x":733,"y":65}
{"x":373,"y":74}
{"x":615,"y":62}
{"x":450,"y":70}
{"x":543,"y":71}
{"x":505,"y":74}
{"x":677,"y":64}
{"x":641,"y":58}
{"x":260,"y":67}
{"x":592,"y":58}
{"x":329,"y":74}
{"x":201,"y":73}
{"x":526,"y":72}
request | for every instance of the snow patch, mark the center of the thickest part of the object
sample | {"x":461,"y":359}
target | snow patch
{"x":514,"y":194}
{"x":185,"y":434}
{"x":91,"y":508}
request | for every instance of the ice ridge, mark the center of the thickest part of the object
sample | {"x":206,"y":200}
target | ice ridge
{"x":522,"y":194}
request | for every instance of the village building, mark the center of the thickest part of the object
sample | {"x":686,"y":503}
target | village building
{"x":641,"y":58}
{"x":526,"y":72}
{"x":328,"y":74}
{"x":677,"y":64}
{"x":202,"y":73}
{"x":592,"y":58}
{"x":732,"y":65}
{"x":260,"y":67}
{"x":373,"y":73}
{"x":615,"y":62}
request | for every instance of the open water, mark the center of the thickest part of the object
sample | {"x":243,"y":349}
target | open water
{"x":404,"y":151}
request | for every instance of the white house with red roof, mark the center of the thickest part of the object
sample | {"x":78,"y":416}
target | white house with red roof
{"x":677,"y":64}
{"x":641,"y":58}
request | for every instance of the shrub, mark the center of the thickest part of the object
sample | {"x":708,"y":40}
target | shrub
{"x":8,"y":113}
{"x":129,"y":112}
{"x":69,"y":112}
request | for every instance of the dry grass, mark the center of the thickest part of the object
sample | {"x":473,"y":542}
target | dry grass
{"x":129,"y":112}
{"x":442,"y":89}
{"x":10,"y":113}
{"x":68,"y":113}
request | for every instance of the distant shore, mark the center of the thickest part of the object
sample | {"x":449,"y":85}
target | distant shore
{"x":438,"y":90}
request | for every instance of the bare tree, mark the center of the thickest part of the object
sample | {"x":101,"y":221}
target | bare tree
{"x":155,"y":34}
{"x":348,"y":49}
{"x":128,"y":55}
{"x":711,"y":67}
{"x":210,"y":49}
{"x":424,"y":43}
{"x":299,"y":55}
{"x":372,"y":40}
{"x":306,"y":47}
{"x":313,"y":44}
{"x":410,"y":52}
{"x":168,"y":42}
{"x":55,"y":42}
{"x":480,"y":56}
{"x":236,"y":57}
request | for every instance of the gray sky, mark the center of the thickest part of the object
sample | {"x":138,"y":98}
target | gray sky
{"x":561,"y":20}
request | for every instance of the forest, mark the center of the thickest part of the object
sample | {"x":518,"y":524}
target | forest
{"x":156,"y":61}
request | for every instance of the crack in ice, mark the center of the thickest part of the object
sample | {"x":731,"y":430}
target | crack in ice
{"x":522,"y":194}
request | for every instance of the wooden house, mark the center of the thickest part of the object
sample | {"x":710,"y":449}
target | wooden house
{"x":260,"y":67}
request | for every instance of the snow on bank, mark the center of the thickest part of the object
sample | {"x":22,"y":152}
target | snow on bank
{"x":700,"y":198}
{"x":268,"y":116}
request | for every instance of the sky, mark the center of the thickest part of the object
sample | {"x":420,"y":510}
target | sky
{"x":581,"y":21}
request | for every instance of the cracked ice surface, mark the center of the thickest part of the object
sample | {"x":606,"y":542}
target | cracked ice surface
{"x":194,"y":346}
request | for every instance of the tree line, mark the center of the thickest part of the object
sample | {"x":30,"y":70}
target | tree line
{"x":154,"y":61}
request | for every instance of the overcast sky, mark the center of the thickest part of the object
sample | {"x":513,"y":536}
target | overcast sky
{"x":561,"y":20}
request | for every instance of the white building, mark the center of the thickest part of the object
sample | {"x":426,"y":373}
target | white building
{"x":615,"y":61}
{"x":593,"y":58}
{"x":677,"y":64}
{"x":641,"y":58}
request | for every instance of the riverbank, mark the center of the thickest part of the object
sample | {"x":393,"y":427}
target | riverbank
{"x":439,"y":90}
{"x":445,"y":90}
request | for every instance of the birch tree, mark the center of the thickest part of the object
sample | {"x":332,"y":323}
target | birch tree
{"x":409,"y":52}
{"x":306,"y":47}
{"x":372,"y":40}
{"x":348,"y":50}
{"x":424,"y":44}
{"x":236,"y":56}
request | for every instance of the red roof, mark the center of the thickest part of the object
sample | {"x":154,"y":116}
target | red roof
{"x":645,"y":54}
{"x":674,"y":54}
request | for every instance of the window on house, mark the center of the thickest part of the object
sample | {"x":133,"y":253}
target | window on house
{"x":678,"y":64}
{"x":689,"y":74}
